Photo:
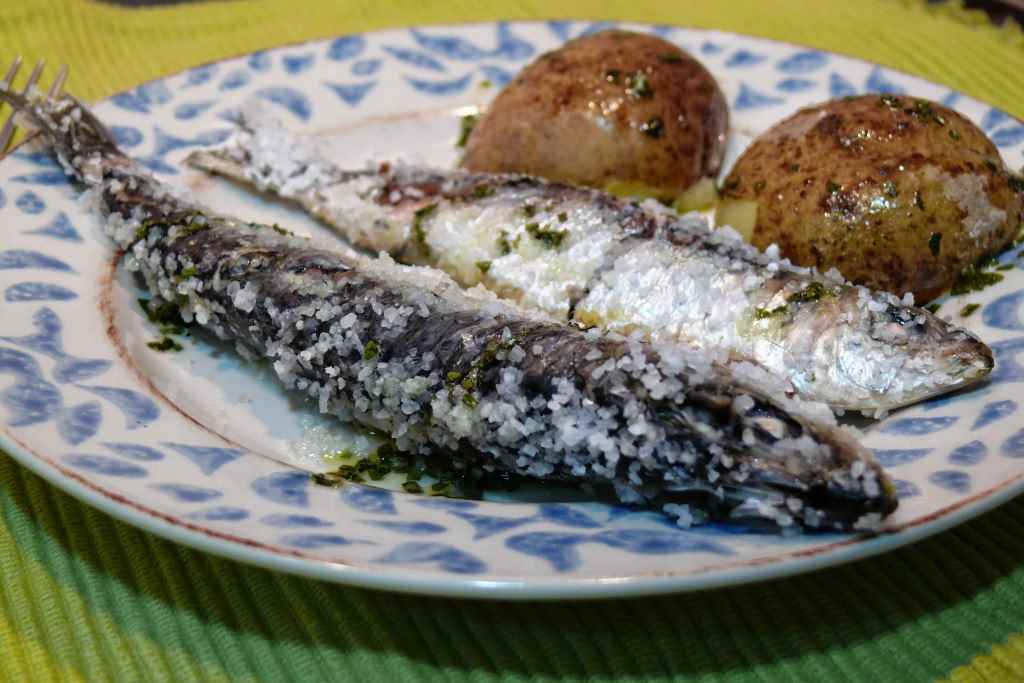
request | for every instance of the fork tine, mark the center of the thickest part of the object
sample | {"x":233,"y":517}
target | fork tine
{"x":58,"y":82}
{"x":33,"y":78}
{"x":12,"y":72}
{"x":7,"y":133}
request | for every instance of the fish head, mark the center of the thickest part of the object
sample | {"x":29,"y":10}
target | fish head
{"x":870,"y":352}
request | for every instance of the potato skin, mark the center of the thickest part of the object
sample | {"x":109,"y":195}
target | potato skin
{"x":581,"y":115}
{"x":898,"y":193}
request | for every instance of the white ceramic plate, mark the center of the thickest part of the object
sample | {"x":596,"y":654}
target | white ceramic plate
{"x":202,"y":449}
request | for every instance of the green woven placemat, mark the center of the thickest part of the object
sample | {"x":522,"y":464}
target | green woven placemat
{"x":83,"y":597}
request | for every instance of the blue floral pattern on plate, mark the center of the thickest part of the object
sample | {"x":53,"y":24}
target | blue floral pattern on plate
{"x":81,"y":404}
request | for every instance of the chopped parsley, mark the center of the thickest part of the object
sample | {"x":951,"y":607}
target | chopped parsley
{"x":933,"y":308}
{"x":189,"y":225}
{"x":483,"y":266}
{"x":812,"y":292}
{"x":987,"y":261}
{"x":890,"y":101}
{"x":504,"y":245}
{"x":166,"y":316}
{"x":161,"y":314}
{"x":442,"y":488}
{"x":419,"y":234}
{"x":452,"y":474}
{"x":833,"y":188}
{"x":974,"y":279}
{"x":371,"y":350}
{"x":968,"y":309}
{"x":765,"y":313}
{"x":639,"y":87}
{"x":165,"y":344}
{"x":333,"y":479}
{"x":935,"y":243}
{"x":563,"y":217}
{"x":924,"y":111}
{"x":168,"y":319}
{"x":465,"y":128}
{"x":469,"y":381}
{"x":481,"y":191}
{"x":955,"y":135}
{"x":552,"y":239}
{"x":653,"y":127}
{"x":191,"y":271}
{"x":143,"y":230}
{"x":281,"y":231}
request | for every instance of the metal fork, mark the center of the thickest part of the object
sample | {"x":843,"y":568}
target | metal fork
{"x":7,"y":132}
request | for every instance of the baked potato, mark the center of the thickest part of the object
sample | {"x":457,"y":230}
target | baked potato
{"x":898,"y":193}
{"x":612,"y":109}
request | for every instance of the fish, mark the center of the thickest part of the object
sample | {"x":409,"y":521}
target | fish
{"x":406,"y":351}
{"x":586,"y":256}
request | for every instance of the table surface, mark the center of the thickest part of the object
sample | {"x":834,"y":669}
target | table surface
{"x":84,"y":597}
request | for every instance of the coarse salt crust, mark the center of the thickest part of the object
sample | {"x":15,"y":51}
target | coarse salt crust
{"x":625,"y":267}
{"x":581,"y":423}
{"x":404,"y":350}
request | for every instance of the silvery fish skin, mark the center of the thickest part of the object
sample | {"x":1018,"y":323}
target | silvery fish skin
{"x":406,"y":351}
{"x":584,"y":255}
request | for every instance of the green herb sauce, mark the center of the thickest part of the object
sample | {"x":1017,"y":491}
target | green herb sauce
{"x":165,"y":344}
{"x":815,"y":291}
{"x":419,"y":233}
{"x":765,"y":313}
{"x":466,"y":128}
{"x":549,"y":237}
{"x":974,"y":279}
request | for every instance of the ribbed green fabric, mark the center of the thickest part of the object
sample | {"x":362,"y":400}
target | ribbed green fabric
{"x":83,"y":597}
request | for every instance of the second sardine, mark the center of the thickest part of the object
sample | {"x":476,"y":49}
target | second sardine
{"x":583,"y":255}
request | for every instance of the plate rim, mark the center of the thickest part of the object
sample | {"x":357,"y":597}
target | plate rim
{"x":409,"y":579}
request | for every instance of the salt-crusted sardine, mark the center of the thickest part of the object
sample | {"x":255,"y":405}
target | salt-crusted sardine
{"x":583,"y":255}
{"x":405,"y":351}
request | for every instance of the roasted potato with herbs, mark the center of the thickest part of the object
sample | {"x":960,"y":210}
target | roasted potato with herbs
{"x":613,"y":109}
{"x":898,"y":193}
